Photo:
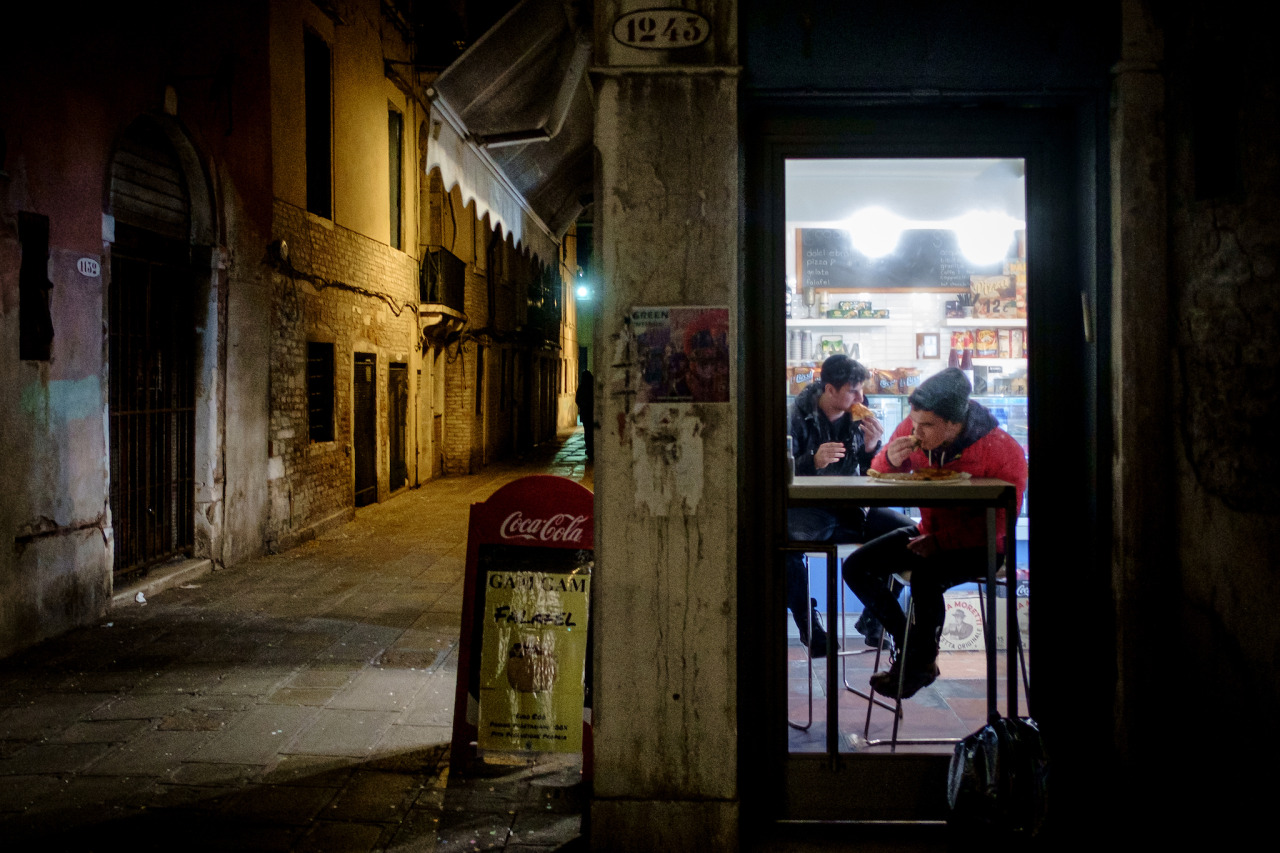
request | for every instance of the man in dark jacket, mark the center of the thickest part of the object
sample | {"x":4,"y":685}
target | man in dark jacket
{"x":945,"y":430}
{"x":826,"y":440}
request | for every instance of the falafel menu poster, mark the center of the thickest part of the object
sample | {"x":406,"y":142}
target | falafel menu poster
{"x":534,"y":650}
{"x":523,"y":668}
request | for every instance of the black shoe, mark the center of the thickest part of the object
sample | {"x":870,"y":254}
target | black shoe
{"x":916,"y":679}
{"x":818,"y":648}
{"x":870,"y":628}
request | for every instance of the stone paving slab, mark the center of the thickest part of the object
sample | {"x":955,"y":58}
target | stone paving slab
{"x":379,"y":690}
{"x":342,"y":732}
{"x":154,"y":753}
{"x":53,"y":758}
{"x":258,"y":735}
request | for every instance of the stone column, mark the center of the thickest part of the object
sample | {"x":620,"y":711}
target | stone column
{"x":667,"y":234}
{"x":1143,"y":564}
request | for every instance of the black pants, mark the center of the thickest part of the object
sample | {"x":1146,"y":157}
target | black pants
{"x":867,"y":572}
{"x":821,"y":526}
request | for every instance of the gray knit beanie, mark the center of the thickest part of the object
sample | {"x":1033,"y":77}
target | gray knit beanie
{"x":946,"y":394}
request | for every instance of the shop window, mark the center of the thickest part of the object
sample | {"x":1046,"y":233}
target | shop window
{"x":35,"y":337}
{"x":395,"y":158}
{"x":909,"y":267}
{"x":320,"y":391}
{"x":318,"y":102}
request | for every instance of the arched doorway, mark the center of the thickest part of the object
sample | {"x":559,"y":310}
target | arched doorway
{"x":152,"y":351}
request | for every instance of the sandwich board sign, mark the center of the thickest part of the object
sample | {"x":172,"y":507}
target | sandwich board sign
{"x":523,"y":657}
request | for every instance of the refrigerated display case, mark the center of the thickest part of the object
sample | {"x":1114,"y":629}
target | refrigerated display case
{"x":889,"y":409}
{"x":1011,"y":414}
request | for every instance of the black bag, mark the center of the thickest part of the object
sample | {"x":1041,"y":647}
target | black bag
{"x":999,"y":778}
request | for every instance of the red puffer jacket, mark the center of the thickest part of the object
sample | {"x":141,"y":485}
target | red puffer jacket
{"x":982,"y":449}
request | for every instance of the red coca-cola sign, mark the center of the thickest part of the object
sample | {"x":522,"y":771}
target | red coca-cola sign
{"x":560,"y":527}
{"x":540,"y":511}
{"x":533,"y":512}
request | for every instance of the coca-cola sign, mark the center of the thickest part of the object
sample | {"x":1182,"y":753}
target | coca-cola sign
{"x":561,"y":527}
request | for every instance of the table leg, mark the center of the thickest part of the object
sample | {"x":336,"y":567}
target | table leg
{"x":833,"y":695}
{"x":989,"y":631}
{"x":1012,"y":640}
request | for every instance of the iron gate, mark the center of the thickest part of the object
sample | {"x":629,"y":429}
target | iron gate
{"x":151,"y":335}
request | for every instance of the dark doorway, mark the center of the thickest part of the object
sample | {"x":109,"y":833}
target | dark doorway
{"x":1056,"y":144}
{"x":397,"y":420}
{"x":365,"y":428}
{"x":151,"y":340}
{"x":151,"y":353}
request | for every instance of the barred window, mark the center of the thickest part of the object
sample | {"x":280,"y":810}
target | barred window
{"x":320,"y":391}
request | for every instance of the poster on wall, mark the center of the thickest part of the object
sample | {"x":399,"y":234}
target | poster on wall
{"x":534,"y":648}
{"x":682,"y":353}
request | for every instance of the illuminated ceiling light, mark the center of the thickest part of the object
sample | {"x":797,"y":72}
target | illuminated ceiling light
{"x":874,"y":231}
{"x":985,"y":236}
{"x":583,"y":292}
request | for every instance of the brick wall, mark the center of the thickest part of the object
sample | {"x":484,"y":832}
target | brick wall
{"x":312,"y":482}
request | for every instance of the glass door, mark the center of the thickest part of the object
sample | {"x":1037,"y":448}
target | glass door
{"x":907,"y":266}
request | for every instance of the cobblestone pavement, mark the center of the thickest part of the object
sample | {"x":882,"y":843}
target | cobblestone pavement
{"x":295,"y":702}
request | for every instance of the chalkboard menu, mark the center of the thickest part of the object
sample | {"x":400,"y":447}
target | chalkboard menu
{"x":924,"y":260}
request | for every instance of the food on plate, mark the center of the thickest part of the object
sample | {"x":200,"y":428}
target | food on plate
{"x":860,"y":411}
{"x":924,"y":475}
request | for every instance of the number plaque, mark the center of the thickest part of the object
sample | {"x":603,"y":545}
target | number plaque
{"x":661,"y":29}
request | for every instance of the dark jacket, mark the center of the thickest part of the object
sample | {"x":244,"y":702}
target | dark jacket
{"x":810,"y":428}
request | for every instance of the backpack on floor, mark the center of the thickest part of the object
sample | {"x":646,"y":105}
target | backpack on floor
{"x":999,"y":778}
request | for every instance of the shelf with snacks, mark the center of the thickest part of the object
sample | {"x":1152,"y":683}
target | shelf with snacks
{"x":829,"y":322}
{"x":990,"y":322}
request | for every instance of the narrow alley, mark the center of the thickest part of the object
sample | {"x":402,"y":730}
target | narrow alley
{"x":300,"y":701}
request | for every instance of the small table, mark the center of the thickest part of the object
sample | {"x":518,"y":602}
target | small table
{"x":868,"y":492}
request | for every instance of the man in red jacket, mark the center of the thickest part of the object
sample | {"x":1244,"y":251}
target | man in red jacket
{"x":945,"y":430}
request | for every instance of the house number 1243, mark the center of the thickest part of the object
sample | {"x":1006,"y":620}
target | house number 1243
{"x":661,"y":29}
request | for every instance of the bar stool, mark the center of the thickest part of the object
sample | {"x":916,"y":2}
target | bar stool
{"x":804,"y":549}
{"x":989,"y":637}
{"x":843,"y":551}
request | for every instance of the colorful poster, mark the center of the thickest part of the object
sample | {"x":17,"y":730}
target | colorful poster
{"x":682,"y":354}
{"x":534,"y":648}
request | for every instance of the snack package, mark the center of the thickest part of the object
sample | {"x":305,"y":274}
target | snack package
{"x":985,"y":343}
{"x":848,"y":309}
{"x":800,"y":378}
{"x":1004,"y":343}
{"x":886,"y":381}
{"x":1017,"y":343}
{"x":962,"y":339}
{"x":908,"y":378}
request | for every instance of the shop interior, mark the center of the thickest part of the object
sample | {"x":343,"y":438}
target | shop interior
{"x":908,"y":266}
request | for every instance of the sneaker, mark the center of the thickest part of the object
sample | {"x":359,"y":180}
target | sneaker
{"x":870,"y":628}
{"x":917,"y":678}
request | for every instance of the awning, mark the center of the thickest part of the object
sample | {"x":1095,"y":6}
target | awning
{"x":512,"y":122}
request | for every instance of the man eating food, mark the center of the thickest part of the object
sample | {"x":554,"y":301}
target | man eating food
{"x":948,"y":431}
{"x":828,"y":439}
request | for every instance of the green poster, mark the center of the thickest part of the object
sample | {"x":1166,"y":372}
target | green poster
{"x":534,"y":648}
